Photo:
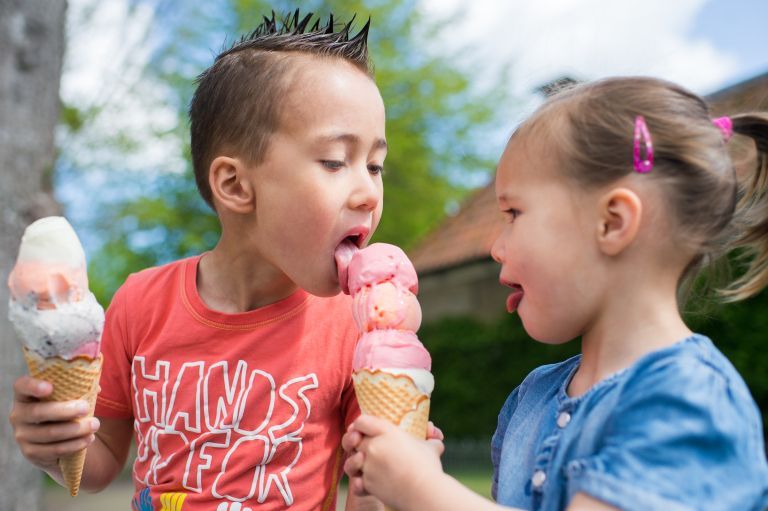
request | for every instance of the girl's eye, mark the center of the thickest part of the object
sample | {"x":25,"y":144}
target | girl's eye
{"x":332,"y":164}
{"x":375,"y":169}
{"x":511,"y":214}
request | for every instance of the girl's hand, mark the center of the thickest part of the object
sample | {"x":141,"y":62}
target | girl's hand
{"x":388,"y":462}
{"x":48,"y":430}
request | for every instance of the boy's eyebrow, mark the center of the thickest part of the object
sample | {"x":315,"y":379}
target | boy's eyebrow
{"x":350,"y":138}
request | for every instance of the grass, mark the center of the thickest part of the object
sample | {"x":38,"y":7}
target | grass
{"x":477,"y":480}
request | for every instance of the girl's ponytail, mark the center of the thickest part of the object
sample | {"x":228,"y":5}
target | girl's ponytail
{"x":751,"y":216}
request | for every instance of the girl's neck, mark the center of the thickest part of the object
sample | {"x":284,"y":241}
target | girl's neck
{"x":629,"y":326}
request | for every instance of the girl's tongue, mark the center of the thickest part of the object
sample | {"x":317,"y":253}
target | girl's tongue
{"x":513,"y":300}
{"x":343,"y":256}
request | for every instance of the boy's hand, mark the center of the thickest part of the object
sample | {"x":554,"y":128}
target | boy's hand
{"x":48,"y":430}
{"x":388,"y":462}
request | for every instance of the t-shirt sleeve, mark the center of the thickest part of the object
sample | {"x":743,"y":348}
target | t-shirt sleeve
{"x":349,"y":406}
{"x":114,"y":400}
{"x":679,"y":439}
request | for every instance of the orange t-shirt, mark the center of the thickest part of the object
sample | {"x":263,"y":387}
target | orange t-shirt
{"x":247,"y":408}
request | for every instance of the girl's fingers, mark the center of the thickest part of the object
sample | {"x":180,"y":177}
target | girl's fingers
{"x":372,"y":426}
{"x":357,"y":487}
{"x":437,"y":445}
{"x":354,"y":465}
{"x":433,"y":432}
{"x":350,"y":440}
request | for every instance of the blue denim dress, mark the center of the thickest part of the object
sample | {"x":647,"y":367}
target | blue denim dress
{"x":678,"y":430}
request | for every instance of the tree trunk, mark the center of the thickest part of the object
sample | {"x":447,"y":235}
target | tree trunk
{"x":31,"y":52}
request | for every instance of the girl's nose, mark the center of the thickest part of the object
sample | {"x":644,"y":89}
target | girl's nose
{"x":497,"y":251}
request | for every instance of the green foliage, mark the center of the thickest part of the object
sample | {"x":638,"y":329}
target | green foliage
{"x":436,"y":125}
{"x":477,"y":365}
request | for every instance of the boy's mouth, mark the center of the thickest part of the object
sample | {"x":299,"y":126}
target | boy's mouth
{"x":350,"y":244}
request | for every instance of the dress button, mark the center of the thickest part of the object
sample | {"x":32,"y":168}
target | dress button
{"x":538,"y":478}
{"x":563,"y":419}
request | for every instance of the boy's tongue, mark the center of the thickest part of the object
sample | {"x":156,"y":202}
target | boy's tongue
{"x":343,"y":256}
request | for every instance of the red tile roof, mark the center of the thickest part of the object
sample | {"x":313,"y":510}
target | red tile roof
{"x":469,"y":235}
{"x":461,"y":238}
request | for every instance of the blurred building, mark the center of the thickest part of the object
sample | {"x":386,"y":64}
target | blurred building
{"x":457,"y":276}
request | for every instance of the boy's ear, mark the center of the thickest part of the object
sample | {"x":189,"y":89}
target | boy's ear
{"x":620,"y":214}
{"x":230,"y":189}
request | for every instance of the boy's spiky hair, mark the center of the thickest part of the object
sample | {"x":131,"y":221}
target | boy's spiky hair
{"x":293,"y":35}
{"x":236,"y":105}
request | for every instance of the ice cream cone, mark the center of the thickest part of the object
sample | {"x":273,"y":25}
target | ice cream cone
{"x":393,"y":397}
{"x":71,"y":379}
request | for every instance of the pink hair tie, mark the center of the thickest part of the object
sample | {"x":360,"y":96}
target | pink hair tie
{"x":725,"y":124}
{"x":642,"y":136}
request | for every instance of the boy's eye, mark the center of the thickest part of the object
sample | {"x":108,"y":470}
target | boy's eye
{"x":332,"y":164}
{"x":375,"y":169}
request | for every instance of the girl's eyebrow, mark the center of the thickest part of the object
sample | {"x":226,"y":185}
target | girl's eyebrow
{"x":505,"y":197}
{"x":351,"y":139}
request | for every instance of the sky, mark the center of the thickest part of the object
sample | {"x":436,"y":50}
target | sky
{"x":704,"y":45}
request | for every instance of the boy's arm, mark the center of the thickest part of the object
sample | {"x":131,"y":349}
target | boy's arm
{"x":107,"y":454}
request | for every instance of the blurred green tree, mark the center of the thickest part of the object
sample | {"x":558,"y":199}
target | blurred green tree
{"x":437,"y":126}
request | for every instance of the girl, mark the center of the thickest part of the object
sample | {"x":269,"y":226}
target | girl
{"x":617,"y":193}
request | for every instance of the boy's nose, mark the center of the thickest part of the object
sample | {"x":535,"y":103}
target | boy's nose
{"x":366,"y":193}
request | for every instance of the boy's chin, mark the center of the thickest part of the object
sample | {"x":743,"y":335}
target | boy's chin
{"x":323,"y":290}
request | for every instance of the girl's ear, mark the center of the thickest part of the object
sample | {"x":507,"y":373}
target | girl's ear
{"x":620,"y":214}
{"x":229,"y":186}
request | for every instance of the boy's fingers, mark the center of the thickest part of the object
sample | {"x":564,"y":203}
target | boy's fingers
{"x":55,"y":432}
{"x":372,"y":426}
{"x":27,"y":389}
{"x":48,"y":452}
{"x":42,"y":412}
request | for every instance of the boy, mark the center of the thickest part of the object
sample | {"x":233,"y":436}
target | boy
{"x":229,"y":368}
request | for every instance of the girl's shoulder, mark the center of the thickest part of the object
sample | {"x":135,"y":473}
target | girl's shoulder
{"x":550,"y":377}
{"x":692,"y":363}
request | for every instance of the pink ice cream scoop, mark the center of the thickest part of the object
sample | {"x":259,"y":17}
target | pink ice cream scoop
{"x":383,"y":284}
{"x":379,"y":263}
{"x":391,"y":349}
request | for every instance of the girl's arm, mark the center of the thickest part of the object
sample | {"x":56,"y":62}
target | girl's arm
{"x":583,"y":502}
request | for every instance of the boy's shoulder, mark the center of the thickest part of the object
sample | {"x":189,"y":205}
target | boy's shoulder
{"x":158,"y":276}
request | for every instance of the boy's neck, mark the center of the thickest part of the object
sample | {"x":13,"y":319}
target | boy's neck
{"x":232,"y":281}
{"x":642,"y":318}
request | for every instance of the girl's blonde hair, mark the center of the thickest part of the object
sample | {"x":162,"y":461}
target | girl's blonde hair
{"x":715,"y":211}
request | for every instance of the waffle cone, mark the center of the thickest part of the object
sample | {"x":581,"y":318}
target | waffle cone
{"x":393,"y":397}
{"x":71,"y":379}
